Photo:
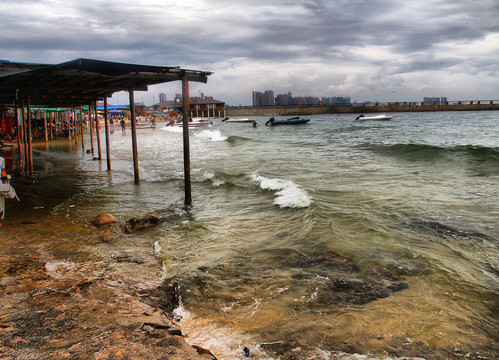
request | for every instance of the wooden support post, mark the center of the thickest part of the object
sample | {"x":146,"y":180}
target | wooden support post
{"x":45,"y":128}
{"x":97,"y":132}
{"x":81,"y":130}
{"x":108,"y":142}
{"x":19,"y":131}
{"x":135,"y":152}
{"x":30,"y":151}
{"x":57,"y":120}
{"x":74,"y":127}
{"x":25,"y":137}
{"x":68,"y":124}
{"x":187,"y":155}
{"x":90,"y":128}
{"x":51,"y":127}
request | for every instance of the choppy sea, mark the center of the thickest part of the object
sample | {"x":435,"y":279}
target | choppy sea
{"x":336,"y":239}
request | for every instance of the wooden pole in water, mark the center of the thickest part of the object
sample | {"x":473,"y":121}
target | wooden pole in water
{"x":90,"y":128}
{"x":51,"y":128}
{"x":45,"y":127}
{"x":74,"y":127}
{"x":68,"y":124}
{"x":187,"y":155}
{"x":134,"y":138}
{"x":108,"y":142}
{"x":57,"y":121}
{"x":81,"y":130}
{"x":18,"y":130}
{"x":25,"y":137}
{"x":97,"y":132}
{"x":30,"y":151}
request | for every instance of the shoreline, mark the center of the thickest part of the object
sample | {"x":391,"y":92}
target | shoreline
{"x":59,"y":299}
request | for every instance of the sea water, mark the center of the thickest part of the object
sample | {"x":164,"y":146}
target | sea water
{"x":333,"y":239}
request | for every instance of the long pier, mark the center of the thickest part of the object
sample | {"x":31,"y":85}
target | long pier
{"x":360,"y":108}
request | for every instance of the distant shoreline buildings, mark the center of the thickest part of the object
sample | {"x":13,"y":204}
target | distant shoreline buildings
{"x":435,"y":100}
{"x":267,"y":98}
{"x":201,"y":105}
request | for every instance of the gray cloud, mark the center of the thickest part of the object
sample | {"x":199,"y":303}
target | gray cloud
{"x":314,"y":47}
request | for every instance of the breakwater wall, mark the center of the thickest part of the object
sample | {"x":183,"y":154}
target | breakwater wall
{"x":356,"y":109}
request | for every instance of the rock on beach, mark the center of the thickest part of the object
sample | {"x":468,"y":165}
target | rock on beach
{"x":103,"y":219}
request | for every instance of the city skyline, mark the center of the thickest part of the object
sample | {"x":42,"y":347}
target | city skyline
{"x":267,"y":98}
{"x":304,"y":100}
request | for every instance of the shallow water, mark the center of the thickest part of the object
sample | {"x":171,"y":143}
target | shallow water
{"x":308,"y":241}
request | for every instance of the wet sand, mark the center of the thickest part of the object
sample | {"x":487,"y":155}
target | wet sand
{"x":59,"y":299}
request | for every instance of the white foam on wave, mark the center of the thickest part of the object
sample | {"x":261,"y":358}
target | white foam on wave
{"x":213,"y":135}
{"x":208,"y":175}
{"x":288,"y":194}
{"x":176,"y":129}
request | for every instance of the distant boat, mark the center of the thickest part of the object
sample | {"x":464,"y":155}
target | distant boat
{"x":238,"y":120}
{"x":196,"y":122}
{"x":382,"y":117}
{"x":291,"y":121}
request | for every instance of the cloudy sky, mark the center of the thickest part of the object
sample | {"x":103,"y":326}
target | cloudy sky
{"x":386,"y":50}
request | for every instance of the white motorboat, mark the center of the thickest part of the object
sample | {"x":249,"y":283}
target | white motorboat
{"x":238,"y":120}
{"x":382,"y":117}
{"x":196,"y":122}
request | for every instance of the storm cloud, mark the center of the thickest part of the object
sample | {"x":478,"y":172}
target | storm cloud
{"x":383,"y":50}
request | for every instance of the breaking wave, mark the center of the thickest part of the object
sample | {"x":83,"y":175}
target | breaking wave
{"x":213,"y":135}
{"x":287,"y":193}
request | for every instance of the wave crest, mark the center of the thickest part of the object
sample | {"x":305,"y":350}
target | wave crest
{"x":213,"y":135}
{"x":288,"y":194}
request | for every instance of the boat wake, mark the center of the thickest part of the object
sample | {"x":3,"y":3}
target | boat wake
{"x":288,"y":194}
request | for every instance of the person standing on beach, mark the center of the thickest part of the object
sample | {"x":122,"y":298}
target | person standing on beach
{"x":122,"y":122}
{"x":5,"y":178}
{"x":2,"y":166}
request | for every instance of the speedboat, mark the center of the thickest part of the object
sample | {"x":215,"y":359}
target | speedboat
{"x":238,"y":120}
{"x":196,"y":122}
{"x":382,"y":117}
{"x":291,"y":121}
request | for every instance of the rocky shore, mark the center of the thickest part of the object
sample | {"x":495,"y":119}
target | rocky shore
{"x":60,"y":300}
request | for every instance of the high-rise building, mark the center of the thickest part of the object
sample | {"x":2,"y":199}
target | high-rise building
{"x":268,"y":98}
{"x":340,"y":100}
{"x":162,"y":97}
{"x":257,"y":98}
{"x":282,"y":100}
{"x":435,"y":100}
